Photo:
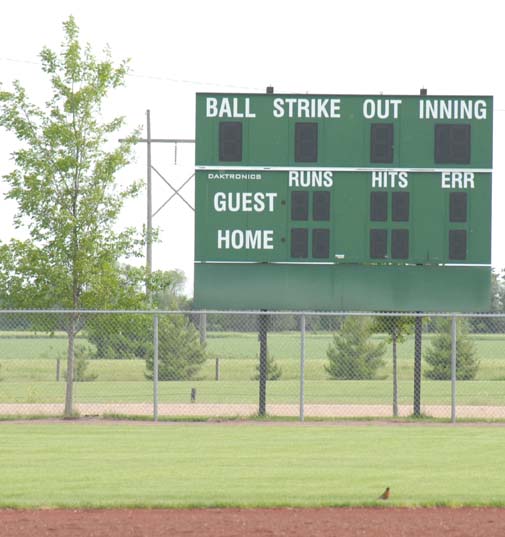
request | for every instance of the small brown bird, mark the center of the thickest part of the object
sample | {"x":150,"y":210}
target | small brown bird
{"x":385,"y":495}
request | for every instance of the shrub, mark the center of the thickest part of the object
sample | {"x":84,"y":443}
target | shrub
{"x":274,"y":371}
{"x":352,"y":355}
{"x":438,"y":355}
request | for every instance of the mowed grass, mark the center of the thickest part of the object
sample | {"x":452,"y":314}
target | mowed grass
{"x":371,"y":392}
{"x":77,"y":465}
{"x":28,"y":373}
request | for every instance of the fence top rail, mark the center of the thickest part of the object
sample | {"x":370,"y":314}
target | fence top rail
{"x":251,"y":312}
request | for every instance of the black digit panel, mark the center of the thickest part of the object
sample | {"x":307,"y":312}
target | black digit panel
{"x":400,"y":244}
{"x":230,"y":141}
{"x":306,"y":142}
{"x":299,"y":242}
{"x":321,"y":206}
{"x":400,"y":206}
{"x":381,"y":142}
{"x":452,"y":144}
{"x":457,"y":244}
{"x":378,"y":243}
{"x":458,"y":203}
{"x":299,"y":205}
{"x":378,"y":206}
{"x":321,"y":243}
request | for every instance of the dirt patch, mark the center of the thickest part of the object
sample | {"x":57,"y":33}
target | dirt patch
{"x":325,"y":522}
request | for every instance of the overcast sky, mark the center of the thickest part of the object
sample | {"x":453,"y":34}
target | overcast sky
{"x":180,"y":48}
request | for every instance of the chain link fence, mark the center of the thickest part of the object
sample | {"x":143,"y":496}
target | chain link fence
{"x":224,"y":365}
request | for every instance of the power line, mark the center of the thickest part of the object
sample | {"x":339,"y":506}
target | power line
{"x":134,"y":74}
{"x":15,"y":60}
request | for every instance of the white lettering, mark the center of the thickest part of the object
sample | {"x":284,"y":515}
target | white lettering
{"x":463,"y":180}
{"x":309,"y":178}
{"x":233,"y":107}
{"x":303,"y":108}
{"x":377,"y":179}
{"x":368,"y":109}
{"x":395,"y":103}
{"x":225,"y":108}
{"x":219,"y":202}
{"x":278,"y":109}
{"x":223,"y":239}
{"x":480,"y":109}
{"x":211,"y":107}
{"x":381,"y":108}
{"x":452,"y":109}
{"x":247,"y":202}
{"x":468,"y":180}
{"x":390,"y":179}
{"x":271,"y":197}
{"x":321,"y":108}
{"x":249,"y":239}
{"x":314,"y":107}
{"x":247,"y":105}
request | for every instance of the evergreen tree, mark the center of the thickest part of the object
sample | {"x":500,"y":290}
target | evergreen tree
{"x":438,"y":355}
{"x":352,"y":355}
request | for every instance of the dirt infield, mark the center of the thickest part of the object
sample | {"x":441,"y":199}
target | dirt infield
{"x":325,"y":522}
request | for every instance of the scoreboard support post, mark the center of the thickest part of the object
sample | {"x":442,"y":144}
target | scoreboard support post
{"x":418,"y":338}
{"x":263,"y":364}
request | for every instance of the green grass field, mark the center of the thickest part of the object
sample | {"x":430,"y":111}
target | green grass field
{"x":77,"y":465}
{"x":28,"y":372}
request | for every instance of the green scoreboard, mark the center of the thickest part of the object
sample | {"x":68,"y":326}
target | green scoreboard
{"x":343,"y":202}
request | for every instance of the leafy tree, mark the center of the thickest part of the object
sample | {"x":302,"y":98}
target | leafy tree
{"x":352,"y":355}
{"x":397,"y":328}
{"x":497,"y":291}
{"x":129,"y":335}
{"x":168,"y":290}
{"x":63,"y":183}
{"x":438,"y":355}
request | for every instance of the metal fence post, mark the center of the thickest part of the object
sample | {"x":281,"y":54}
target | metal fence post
{"x":302,"y":367}
{"x":155,"y":368}
{"x":453,"y":368}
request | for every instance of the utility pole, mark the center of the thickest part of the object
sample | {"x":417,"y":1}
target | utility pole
{"x":176,"y":191}
{"x":149,"y":230}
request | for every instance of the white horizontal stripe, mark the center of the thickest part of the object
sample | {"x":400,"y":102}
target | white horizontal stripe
{"x":339,"y":262}
{"x":337,"y":169}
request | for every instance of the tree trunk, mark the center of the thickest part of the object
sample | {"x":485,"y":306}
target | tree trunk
{"x":69,"y":394}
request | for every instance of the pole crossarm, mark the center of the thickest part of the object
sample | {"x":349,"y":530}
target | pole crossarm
{"x":166,"y":140}
{"x":176,"y":190}
{"x":160,"y":140}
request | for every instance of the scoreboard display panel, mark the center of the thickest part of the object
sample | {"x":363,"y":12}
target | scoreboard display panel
{"x":331,"y":202}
